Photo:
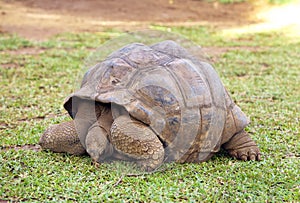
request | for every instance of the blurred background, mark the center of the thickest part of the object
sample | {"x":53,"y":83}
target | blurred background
{"x":40,"y":19}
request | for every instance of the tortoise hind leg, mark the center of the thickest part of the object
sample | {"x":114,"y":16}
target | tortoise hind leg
{"x":135,"y":140}
{"x":241,"y":146}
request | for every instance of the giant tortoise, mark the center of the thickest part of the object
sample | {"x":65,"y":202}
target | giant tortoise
{"x":151,"y":104}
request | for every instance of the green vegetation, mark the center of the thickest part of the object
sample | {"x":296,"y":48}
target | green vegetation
{"x":261,"y":71}
{"x":228,"y":1}
{"x":276,"y":2}
{"x":280,"y":2}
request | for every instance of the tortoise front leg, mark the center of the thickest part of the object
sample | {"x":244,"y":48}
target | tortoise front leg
{"x":241,"y":146}
{"x":135,"y":140}
{"x":62,"y":138}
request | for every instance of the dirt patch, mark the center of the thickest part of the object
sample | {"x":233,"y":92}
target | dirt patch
{"x":24,"y":51}
{"x":39,"y":19}
{"x":32,"y":147}
{"x":9,"y":66}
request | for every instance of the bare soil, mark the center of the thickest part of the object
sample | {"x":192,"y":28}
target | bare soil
{"x":32,"y":147}
{"x":40,"y":19}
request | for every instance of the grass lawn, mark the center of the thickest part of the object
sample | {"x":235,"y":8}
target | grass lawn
{"x":261,"y":71}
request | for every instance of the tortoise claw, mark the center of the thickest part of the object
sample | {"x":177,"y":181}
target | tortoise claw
{"x":258,"y":158}
{"x":243,"y":157}
{"x":252,"y":157}
{"x":246,"y":154}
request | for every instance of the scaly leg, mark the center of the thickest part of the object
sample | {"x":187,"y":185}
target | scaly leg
{"x":241,"y":146}
{"x":62,"y":138}
{"x":137,"y":141}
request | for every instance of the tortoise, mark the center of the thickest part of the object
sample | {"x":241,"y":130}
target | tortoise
{"x":152,"y":104}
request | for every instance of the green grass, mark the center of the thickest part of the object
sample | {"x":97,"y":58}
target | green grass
{"x":281,"y":2}
{"x":229,"y":1}
{"x":263,"y":81}
{"x":274,"y":2}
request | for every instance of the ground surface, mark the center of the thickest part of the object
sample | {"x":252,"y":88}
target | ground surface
{"x":260,"y":68}
{"x":38,"y":19}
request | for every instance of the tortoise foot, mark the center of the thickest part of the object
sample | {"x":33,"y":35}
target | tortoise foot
{"x":241,"y":146}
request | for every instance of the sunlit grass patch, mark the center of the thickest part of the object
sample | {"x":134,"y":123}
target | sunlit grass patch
{"x":277,"y":18}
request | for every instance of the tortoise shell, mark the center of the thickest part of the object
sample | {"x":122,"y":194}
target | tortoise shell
{"x":180,"y":97}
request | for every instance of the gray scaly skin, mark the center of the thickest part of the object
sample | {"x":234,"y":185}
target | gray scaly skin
{"x":62,"y":138}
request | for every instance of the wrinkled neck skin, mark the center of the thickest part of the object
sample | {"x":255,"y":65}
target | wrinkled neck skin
{"x":87,"y":114}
